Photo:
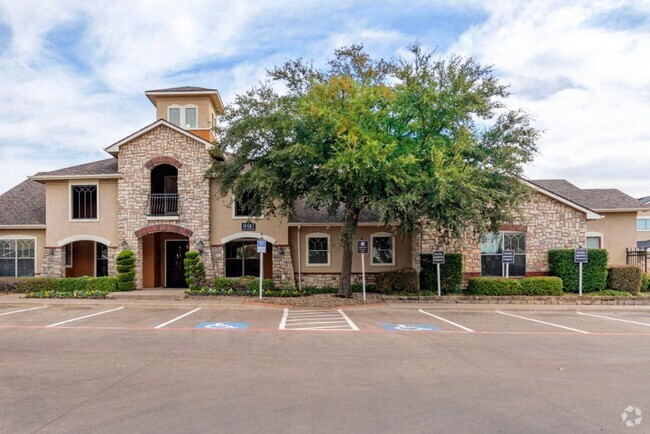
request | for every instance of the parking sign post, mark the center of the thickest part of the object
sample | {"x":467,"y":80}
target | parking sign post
{"x":580,"y":256}
{"x":261,"y":249}
{"x":507,"y":258}
{"x":439,"y":259}
{"x":362,"y":248}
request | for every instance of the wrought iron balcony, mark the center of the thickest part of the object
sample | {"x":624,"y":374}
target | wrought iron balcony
{"x":163,"y":204}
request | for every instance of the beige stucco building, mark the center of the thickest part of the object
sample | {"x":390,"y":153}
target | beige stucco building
{"x":152,"y":196}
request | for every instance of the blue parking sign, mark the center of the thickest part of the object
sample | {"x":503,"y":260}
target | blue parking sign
{"x":261,"y":246}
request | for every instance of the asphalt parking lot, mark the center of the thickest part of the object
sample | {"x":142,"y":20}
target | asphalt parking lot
{"x":393,"y":368}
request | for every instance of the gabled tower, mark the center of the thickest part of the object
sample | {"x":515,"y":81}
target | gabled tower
{"x":194,"y":109}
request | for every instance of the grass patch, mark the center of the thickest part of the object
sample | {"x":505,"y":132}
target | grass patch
{"x":609,"y":293}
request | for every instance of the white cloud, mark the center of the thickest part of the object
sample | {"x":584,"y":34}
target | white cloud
{"x":586,"y":85}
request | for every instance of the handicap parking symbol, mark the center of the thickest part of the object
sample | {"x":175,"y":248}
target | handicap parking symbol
{"x":411,"y":327}
{"x":223,"y":325}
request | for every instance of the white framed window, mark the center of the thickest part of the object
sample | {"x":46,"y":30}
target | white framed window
{"x":242,"y":209}
{"x":643,"y":224}
{"x":595,"y":240}
{"x":17,"y":256}
{"x":318,"y":250}
{"x":68,"y":255}
{"x":185,"y":116}
{"x":383,"y":249}
{"x":84,"y":201}
{"x":492,"y":246}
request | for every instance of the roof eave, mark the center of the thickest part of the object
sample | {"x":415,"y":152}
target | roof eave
{"x":42,"y":178}
{"x":612,"y":210}
{"x":23,"y":227}
{"x":214,"y":96}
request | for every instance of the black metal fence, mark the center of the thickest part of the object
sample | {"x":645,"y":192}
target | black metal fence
{"x":163,"y":204}
{"x":638,"y":258}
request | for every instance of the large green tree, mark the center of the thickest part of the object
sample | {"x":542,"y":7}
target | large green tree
{"x":416,"y":139}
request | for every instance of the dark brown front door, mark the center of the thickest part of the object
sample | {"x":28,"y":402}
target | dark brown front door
{"x":174,"y":264}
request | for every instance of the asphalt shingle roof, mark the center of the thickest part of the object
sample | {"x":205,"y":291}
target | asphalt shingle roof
{"x":102,"y":167}
{"x":595,"y":198}
{"x":23,"y":205}
{"x":183,"y":89}
{"x":305,"y":214}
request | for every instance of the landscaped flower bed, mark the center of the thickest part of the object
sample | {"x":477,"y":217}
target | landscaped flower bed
{"x":84,"y":293}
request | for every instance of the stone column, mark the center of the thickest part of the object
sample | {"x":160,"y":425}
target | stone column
{"x":112,"y":255}
{"x":54,"y":262}
{"x":283,"y":266}
{"x":218,"y":260}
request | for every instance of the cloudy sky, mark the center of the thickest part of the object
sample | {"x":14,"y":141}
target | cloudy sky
{"x":73,"y":73}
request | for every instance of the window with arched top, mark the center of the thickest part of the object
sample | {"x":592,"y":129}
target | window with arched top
{"x":318,"y":250}
{"x":184,"y":116}
{"x":383,"y":249}
{"x":163,"y":199}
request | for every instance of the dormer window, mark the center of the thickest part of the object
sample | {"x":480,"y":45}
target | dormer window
{"x":183,"y":116}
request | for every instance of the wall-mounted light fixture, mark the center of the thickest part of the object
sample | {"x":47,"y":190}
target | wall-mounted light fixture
{"x":125,"y":245}
{"x":199,"y":245}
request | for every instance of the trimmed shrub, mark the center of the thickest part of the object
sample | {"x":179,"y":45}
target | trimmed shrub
{"x":125,"y":270}
{"x":543,"y":285}
{"x":404,"y":280}
{"x":194,"y":270}
{"x":493,"y":286}
{"x":105,"y":284}
{"x":71,"y":284}
{"x":624,"y":278}
{"x":267,"y":285}
{"x":560,"y":264}
{"x":8,"y":284}
{"x":451,"y":273}
{"x":645,"y":282}
{"x":67,"y":294}
{"x":29,"y":284}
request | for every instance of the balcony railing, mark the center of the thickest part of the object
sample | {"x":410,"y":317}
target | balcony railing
{"x":163,"y":204}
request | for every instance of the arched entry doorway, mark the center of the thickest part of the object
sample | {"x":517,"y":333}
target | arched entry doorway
{"x":163,"y":251}
{"x":85,"y":255}
{"x":242,"y":258}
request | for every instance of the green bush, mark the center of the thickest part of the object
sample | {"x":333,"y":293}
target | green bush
{"x":404,"y":280}
{"x":71,"y":284}
{"x":106,"y":284}
{"x":645,"y":282}
{"x":222,"y":283}
{"x":9,"y":284}
{"x":493,"y":286}
{"x":451,"y":273}
{"x":267,"y":285}
{"x":30,"y":284}
{"x":194,"y":270}
{"x":609,"y":293}
{"x":125,"y":270}
{"x":561,"y":264}
{"x":543,"y":285}
{"x":624,"y":278}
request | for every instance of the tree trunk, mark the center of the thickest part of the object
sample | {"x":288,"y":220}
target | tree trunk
{"x":348,"y":236}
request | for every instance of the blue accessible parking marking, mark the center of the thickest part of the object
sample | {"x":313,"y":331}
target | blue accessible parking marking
{"x":411,"y":327}
{"x":223,"y":325}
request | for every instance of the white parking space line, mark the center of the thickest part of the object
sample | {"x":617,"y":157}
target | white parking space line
{"x":347,"y":318}
{"x":311,"y":318}
{"x":447,"y":321}
{"x":544,"y":322}
{"x":84,"y":317}
{"x":22,"y":310}
{"x":283,"y":322}
{"x":615,"y":319}
{"x":159,"y":326}
{"x":339,"y":321}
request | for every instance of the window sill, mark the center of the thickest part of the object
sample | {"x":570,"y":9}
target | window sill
{"x":163,"y":217}
{"x":383,"y":265}
{"x":83,"y":220}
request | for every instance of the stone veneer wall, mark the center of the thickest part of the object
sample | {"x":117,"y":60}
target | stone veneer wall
{"x":548,"y":224}
{"x":283,"y":266}
{"x":53,"y":262}
{"x":332,"y":279}
{"x":135,"y":186}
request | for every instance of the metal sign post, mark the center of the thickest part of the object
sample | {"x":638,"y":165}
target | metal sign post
{"x":439,"y":259}
{"x":362,"y":248}
{"x":261,"y":249}
{"x":507,"y":258}
{"x":580,"y":256}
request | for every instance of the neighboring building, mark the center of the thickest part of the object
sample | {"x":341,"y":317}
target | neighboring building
{"x":152,"y":197}
{"x":643,"y":226}
{"x":617,"y":231}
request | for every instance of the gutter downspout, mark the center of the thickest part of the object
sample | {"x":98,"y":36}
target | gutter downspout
{"x":299,"y":261}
